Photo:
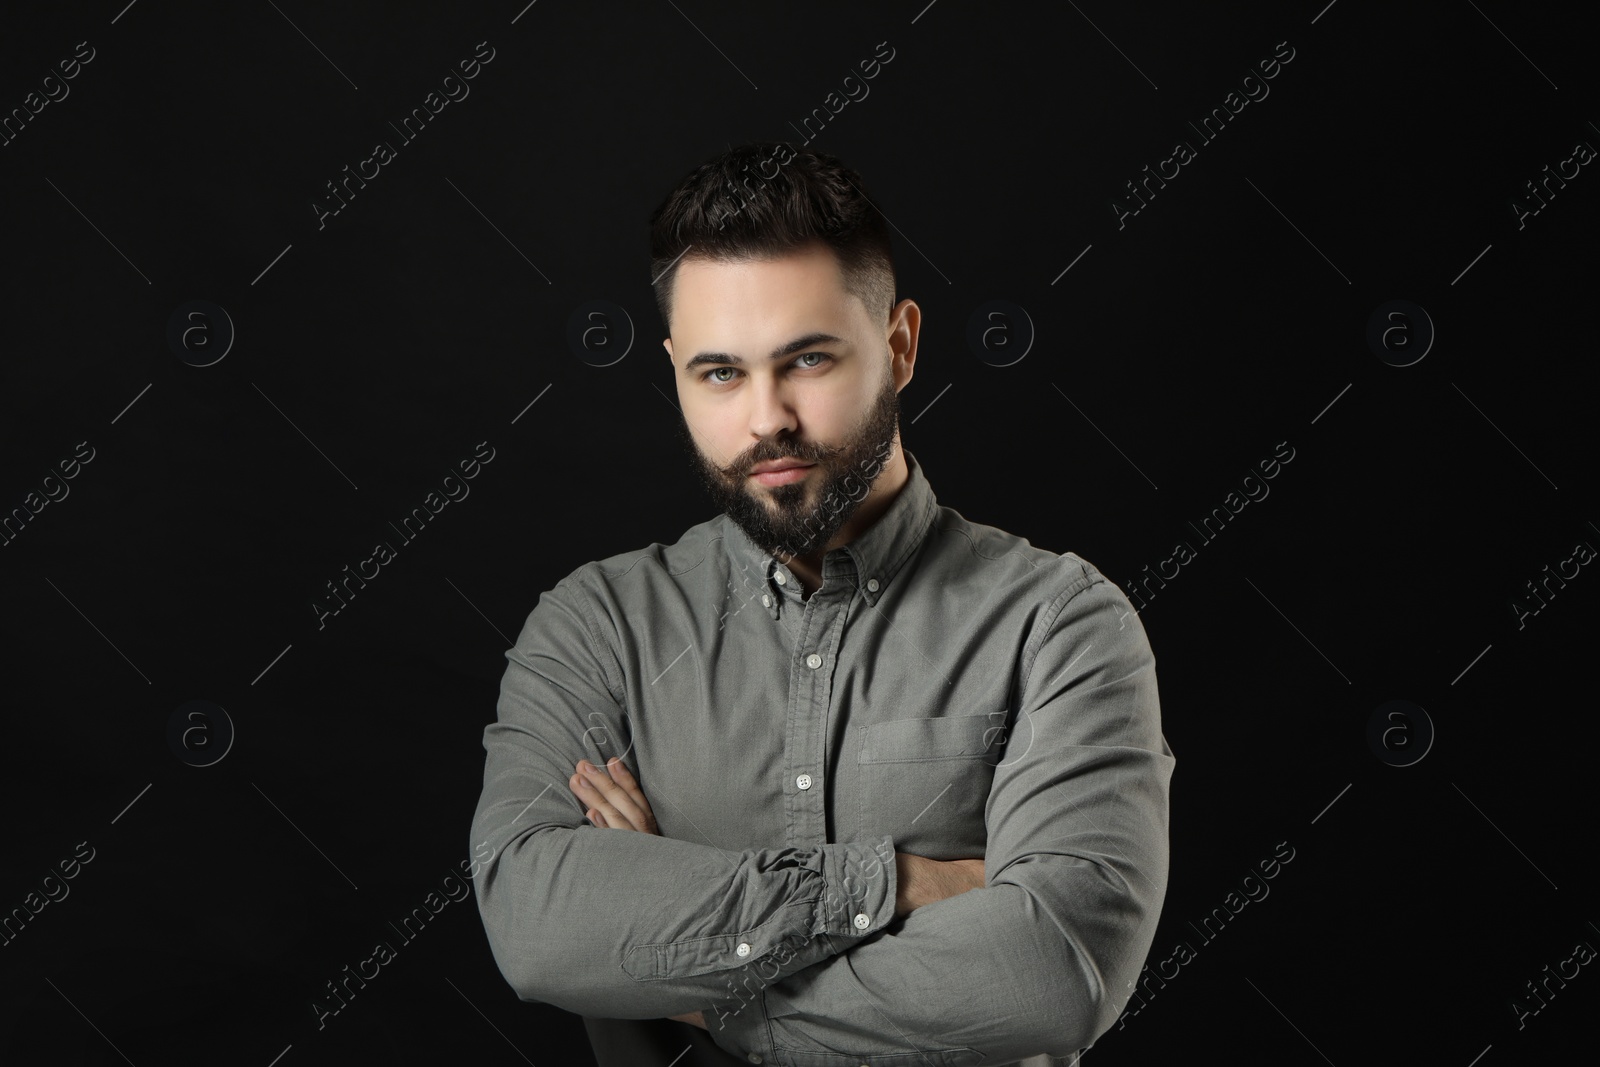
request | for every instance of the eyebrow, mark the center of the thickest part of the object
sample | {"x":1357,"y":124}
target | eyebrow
{"x":787,"y":349}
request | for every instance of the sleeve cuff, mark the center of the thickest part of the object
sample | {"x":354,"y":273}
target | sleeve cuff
{"x":858,"y":887}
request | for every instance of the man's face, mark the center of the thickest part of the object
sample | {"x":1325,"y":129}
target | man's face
{"x":831,"y":403}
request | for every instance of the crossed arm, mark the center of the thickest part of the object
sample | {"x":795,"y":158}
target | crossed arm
{"x":1041,"y":961}
{"x":578,"y":917}
{"x":1044,"y":958}
{"x":617,"y":802}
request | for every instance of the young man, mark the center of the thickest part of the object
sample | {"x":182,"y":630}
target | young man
{"x":895,"y":780}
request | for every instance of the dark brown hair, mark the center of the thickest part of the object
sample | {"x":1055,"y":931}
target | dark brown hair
{"x":765,"y":200}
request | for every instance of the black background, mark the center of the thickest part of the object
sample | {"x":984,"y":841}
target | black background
{"x":376,"y":352}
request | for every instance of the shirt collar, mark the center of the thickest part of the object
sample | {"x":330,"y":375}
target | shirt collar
{"x":868,"y":563}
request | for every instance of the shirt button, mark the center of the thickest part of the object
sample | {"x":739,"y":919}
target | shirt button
{"x":754,"y":1057}
{"x":861,"y":921}
{"x":743,"y":949}
{"x":804,"y":781}
{"x":872,"y":585}
{"x":781,"y":579}
{"x":813,"y":661}
{"x":766,"y":601}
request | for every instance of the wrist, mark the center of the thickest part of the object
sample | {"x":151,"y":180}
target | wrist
{"x":910,"y":882}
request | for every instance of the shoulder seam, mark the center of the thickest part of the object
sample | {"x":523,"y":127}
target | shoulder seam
{"x":597,"y":641}
{"x":1085,"y":579}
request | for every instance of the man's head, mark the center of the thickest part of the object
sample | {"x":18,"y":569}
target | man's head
{"x":774,"y":277}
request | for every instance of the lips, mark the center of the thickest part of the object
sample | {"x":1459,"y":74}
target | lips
{"x":770,"y":466}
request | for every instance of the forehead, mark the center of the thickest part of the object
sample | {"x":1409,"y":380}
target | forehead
{"x":710,"y":295}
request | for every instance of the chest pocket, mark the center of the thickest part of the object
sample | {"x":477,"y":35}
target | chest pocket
{"x":926,"y":781}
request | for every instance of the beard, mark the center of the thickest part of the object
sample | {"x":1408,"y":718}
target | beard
{"x":800,"y":518}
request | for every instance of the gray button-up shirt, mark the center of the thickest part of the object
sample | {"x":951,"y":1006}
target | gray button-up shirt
{"x":950,"y":691}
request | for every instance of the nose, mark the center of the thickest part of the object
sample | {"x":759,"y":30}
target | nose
{"x":771,"y":412}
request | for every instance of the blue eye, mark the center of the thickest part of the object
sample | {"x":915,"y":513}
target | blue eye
{"x":822,"y":356}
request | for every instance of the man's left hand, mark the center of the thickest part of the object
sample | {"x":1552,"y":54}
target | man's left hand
{"x":694,"y":1018}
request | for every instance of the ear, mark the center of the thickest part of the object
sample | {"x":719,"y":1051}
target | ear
{"x":666,"y":342}
{"x":905,"y":327}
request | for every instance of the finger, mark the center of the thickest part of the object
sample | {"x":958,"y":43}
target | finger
{"x":629,"y":801}
{"x":589,"y":794}
{"x":630,"y":784}
{"x":580,"y":789}
{"x":613,"y":801}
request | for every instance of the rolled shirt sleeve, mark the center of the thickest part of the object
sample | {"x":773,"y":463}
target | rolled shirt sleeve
{"x":1042,"y":959}
{"x":621,"y":924}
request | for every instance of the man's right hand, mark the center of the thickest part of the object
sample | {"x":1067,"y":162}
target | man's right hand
{"x":920,"y":880}
{"x":616,"y":800}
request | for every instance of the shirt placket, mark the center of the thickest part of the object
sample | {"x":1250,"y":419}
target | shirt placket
{"x":811,"y":676}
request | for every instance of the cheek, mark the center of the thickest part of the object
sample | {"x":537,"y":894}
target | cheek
{"x":833,"y":410}
{"x":712,"y":426}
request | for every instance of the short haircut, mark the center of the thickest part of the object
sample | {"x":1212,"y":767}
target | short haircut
{"x":766,"y":200}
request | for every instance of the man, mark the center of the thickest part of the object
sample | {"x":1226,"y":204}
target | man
{"x":839,"y":777}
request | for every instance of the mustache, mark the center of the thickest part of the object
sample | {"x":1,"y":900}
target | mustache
{"x":763,"y":455}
